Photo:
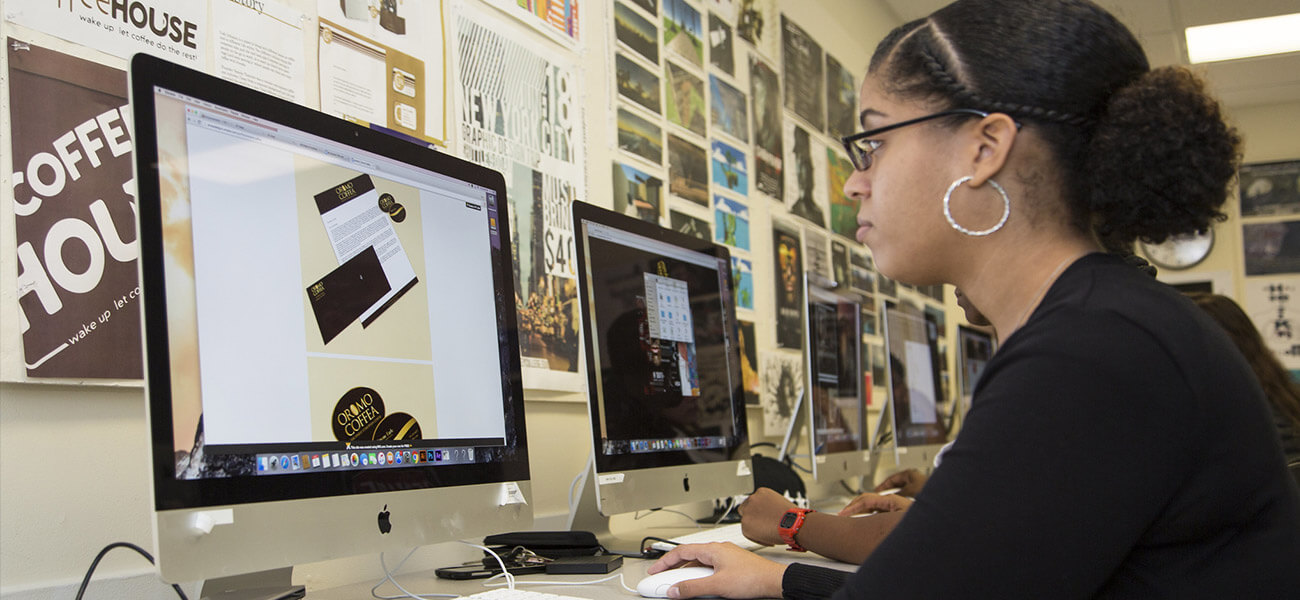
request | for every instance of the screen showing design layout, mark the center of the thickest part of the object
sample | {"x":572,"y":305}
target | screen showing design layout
{"x":327,"y":308}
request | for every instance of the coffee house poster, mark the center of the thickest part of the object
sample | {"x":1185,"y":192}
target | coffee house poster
{"x":519,"y":114}
{"x":73,"y":203}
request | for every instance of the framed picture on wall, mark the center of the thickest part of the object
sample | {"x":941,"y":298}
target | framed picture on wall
{"x":1270,"y":188}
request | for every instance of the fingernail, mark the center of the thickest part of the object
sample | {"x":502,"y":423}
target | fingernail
{"x":673,"y":592}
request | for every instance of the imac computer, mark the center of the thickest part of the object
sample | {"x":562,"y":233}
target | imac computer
{"x":833,"y":406}
{"x":332,"y":353}
{"x":974,"y":350}
{"x":912,"y":362}
{"x":666,"y":401}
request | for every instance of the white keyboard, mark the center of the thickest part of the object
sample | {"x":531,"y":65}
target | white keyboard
{"x":517,"y":594}
{"x":722,"y":533}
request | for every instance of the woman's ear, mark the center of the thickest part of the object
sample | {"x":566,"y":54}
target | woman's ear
{"x":993,"y":138}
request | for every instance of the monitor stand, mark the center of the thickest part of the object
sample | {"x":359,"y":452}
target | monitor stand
{"x":275,"y":584}
{"x":794,"y":432}
{"x":586,"y":516}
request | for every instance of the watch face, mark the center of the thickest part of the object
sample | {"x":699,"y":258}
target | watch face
{"x":788,"y":519}
{"x":1180,"y":252}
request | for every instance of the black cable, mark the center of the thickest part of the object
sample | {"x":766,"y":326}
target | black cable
{"x":95,"y":563}
{"x":849,"y":489}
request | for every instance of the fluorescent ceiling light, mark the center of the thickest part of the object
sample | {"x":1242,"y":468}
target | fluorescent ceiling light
{"x":1242,"y":39}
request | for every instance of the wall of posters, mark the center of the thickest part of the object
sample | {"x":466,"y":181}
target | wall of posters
{"x":520,"y":115}
{"x":756,"y":23}
{"x":1272,"y":247}
{"x":1273,"y":304}
{"x":116,"y":28}
{"x":765,"y":89}
{"x":805,"y":181}
{"x":1270,"y":188}
{"x":261,"y":47}
{"x":382,"y":65}
{"x":801,"y":61}
{"x":782,"y":381}
{"x":787,"y":249}
{"x":74,"y":220}
{"x":688,"y":170}
{"x":557,"y":19}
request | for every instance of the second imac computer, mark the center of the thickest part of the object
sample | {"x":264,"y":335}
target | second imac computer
{"x":912,"y":362}
{"x":974,"y":350}
{"x":332,"y":352}
{"x":666,"y":400}
{"x":834,"y":406}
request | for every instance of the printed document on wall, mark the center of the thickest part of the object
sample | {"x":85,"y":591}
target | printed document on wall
{"x":261,"y":47}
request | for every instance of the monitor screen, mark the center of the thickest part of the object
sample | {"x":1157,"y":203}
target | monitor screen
{"x":912,"y":360}
{"x":974,"y":350}
{"x":663,"y":364}
{"x":332,"y":355}
{"x":836,"y":410}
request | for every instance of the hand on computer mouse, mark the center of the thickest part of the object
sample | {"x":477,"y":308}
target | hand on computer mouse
{"x":874,"y":503}
{"x":760,"y":514}
{"x":737,"y":573}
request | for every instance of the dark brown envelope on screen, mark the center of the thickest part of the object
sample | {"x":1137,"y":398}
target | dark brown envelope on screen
{"x":341,"y":296}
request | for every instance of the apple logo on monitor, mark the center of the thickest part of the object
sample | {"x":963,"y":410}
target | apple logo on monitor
{"x":686,"y":482}
{"x":385,"y":525}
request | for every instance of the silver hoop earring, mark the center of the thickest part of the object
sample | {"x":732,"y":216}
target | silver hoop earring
{"x":947,"y":211}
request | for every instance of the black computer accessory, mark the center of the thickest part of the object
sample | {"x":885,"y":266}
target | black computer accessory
{"x":483,"y":572}
{"x":585,"y":565}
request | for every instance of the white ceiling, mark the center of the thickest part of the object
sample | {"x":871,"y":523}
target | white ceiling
{"x":1159,"y":25}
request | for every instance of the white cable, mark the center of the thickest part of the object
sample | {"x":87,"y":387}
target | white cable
{"x":730,"y":507}
{"x":592,"y":582}
{"x":388,"y":578}
{"x":638,"y":516}
{"x":573,"y":502}
{"x":510,"y":577}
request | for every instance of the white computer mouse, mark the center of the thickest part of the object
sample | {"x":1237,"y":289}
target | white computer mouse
{"x":656,"y":586}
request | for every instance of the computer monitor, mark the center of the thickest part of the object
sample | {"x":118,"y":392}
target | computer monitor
{"x":331,"y":346}
{"x":912,"y":363}
{"x":834,"y":406}
{"x":974,"y":349}
{"x":665,"y":396}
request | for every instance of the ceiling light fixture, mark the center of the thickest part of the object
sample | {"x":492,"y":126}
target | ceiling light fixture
{"x":1243,"y":39}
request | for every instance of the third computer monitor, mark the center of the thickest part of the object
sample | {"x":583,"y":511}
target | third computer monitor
{"x":912,"y":360}
{"x":974,"y":350}
{"x":833,"y":405}
{"x":663,"y":364}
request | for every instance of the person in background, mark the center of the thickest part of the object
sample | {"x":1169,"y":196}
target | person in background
{"x":1003,"y":140}
{"x":1282,"y":393}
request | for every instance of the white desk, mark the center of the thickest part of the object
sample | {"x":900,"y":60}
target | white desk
{"x":633,"y":569}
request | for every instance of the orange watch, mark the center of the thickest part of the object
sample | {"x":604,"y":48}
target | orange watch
{"x":789,"y":526}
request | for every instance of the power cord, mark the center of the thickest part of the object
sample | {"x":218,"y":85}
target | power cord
{"x":95,"y":563}
{"x":388,"y":578}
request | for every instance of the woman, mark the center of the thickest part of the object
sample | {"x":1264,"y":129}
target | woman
{"x":1283,"y":395}
{"x":1100,"y":456}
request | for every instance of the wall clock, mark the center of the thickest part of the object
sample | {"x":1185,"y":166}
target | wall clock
{"x":1180,"y":251}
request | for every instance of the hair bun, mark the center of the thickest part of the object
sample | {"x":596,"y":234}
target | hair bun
{"x":1161,"y":158}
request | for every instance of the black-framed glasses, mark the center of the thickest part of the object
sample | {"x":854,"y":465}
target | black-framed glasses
{"x":860,"y":145}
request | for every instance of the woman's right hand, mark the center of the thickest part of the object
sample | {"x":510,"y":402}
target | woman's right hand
{"x":737,"y":573}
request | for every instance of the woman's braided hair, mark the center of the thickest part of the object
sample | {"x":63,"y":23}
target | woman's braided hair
{"x":1143,"y":154}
